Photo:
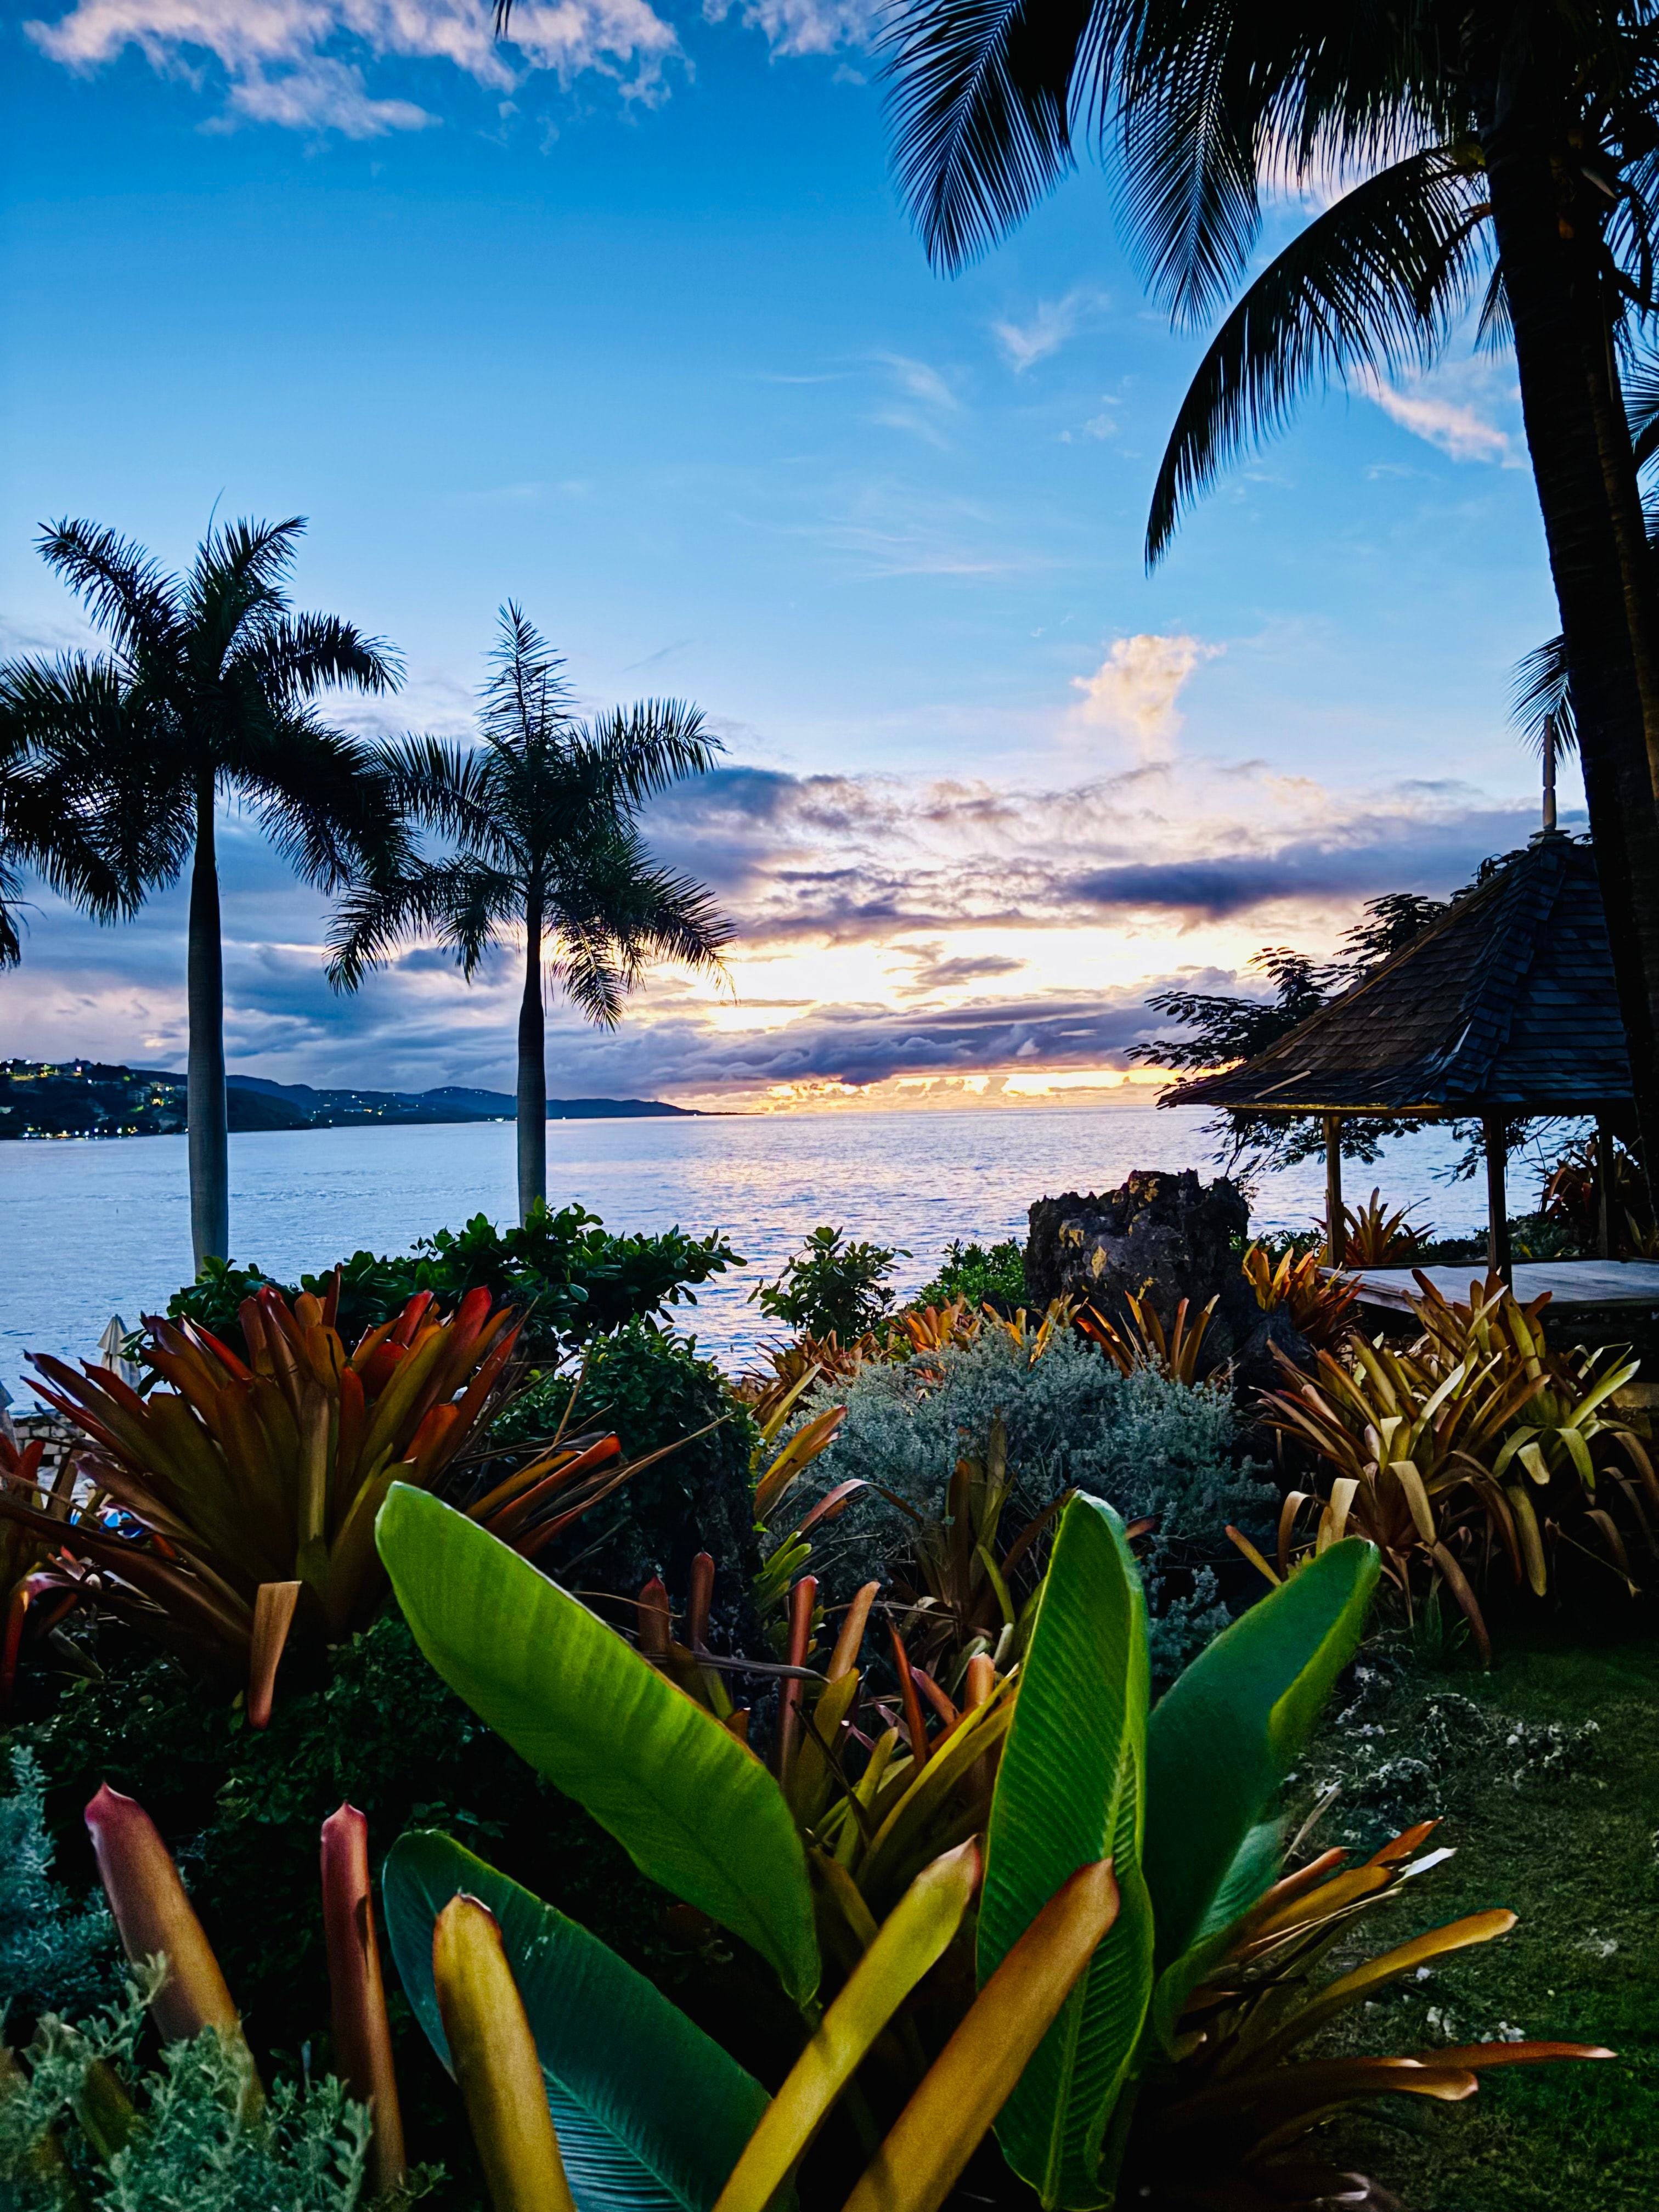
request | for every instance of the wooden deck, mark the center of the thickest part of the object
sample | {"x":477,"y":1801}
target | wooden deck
{"x":1593,"y":1284}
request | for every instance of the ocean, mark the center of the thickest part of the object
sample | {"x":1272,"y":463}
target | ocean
{"x":94,"y":1227}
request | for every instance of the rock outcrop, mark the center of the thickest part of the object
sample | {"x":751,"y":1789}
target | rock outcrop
{"x":1161,"y":1237}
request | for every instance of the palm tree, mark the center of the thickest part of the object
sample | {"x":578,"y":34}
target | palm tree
{"x":540,"y":819}
{"x":1507,"y":145}
{"x":207,"y":695}
{"x":51,"y":823}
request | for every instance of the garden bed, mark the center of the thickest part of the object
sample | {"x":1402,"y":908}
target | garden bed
{"x":1545,"y":1772}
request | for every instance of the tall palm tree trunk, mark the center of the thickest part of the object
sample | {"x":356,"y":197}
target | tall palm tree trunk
{"x":1556,"y":405}
{"x":204,"y":1094}
{"x":533,"y":1067}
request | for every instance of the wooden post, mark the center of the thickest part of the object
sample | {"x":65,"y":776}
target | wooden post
{"x":1336,"y":1228}
{"x":1604,"y":1180}
{"x":1498,"y":1204}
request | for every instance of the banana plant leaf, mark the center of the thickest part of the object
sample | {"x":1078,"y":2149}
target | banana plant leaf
{"x":693,"y":1807}
{"x":1071,"y":1791}
{"x":651,"y":2114}
{"x":1223,"y":1739}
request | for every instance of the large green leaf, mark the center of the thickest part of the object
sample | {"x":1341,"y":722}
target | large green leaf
{"x":652,"y":2114}
{"x":1070,"y":1790}
{"x":1222,"y":1741}
{"x":694,"y":1808}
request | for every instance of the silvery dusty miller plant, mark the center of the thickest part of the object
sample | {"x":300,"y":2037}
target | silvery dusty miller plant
{"x":1149,"y":1447}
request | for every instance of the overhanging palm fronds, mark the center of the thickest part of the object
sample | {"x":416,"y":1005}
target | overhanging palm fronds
{"x":980,"y":109}
{"x":1373,"y":283}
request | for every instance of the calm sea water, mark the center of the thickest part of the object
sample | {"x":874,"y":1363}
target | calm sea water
{"x":89,"y":1228}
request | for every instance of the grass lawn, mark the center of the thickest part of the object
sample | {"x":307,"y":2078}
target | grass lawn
{"x":1546,"y":1775}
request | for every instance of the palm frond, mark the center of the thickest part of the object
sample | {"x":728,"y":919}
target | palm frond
{"x":527,"y":698}
{"x":458,"y":900}
{"x":979,"y":106}
{"x":452,"y":789}
{"x":1541,"y":701}
{"x":1642,"y":407}
{"x":120,"y":586}
{"x":297,"y":655}
{"x":91,"y":799}
{"x":1213,"y":103}
{"x":1372,"y":284}
{"x":325,"y":801}
{"x":234,"y":598}
{"x":638,"y":751}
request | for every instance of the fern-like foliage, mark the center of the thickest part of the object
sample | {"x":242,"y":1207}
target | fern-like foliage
{"x":192,"y":2141}
{"x":51,"y":1950}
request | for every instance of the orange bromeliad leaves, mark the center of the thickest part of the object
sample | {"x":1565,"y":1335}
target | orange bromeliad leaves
{"x":247,"y":1475}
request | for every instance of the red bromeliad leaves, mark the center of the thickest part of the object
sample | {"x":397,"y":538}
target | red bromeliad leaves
{"x":155,"y":1918}
{"x":249,"y":1475}
{"x":362,"y":2033}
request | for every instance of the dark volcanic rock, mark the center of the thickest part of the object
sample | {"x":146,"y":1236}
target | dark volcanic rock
{"x":1160,"y":1238}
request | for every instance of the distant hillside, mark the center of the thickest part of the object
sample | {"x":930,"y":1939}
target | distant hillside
{"x":94,"y":1098}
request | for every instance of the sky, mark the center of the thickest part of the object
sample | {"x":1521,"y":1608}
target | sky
{"x":621,"y":320}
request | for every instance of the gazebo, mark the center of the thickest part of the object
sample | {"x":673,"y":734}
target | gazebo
{"x":1505,"y":1007}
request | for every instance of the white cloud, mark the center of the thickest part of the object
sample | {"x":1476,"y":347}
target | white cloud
{"x":1134,"y":689}
{"x":299,"y":62}
{"x":1453,"y":418}
{"x":1026,"y":343}
{"x":805,"y":27}
{"x":921,"y":399}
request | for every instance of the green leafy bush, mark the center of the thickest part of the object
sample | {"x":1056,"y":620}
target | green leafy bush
{"x":832,"y":1286}
{"x":984,"y":1274}
{"x":52,"y":1951}
{"x":1148,"y":1446}
{"x":654,"y":1389}
{"x":192,"y":2143}
{"x":241,"y":1811}
{"x":577,"y":1278}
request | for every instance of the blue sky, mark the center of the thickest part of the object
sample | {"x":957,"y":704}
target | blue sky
{"x":623,"y":321}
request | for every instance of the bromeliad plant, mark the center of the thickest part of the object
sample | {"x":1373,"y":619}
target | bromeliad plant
{"x":1376,"y":1239}
{"x":1141,"y":1339}
{"x":1176,"y":1798}
{"x":38,"y":1585}
{"x":1477,"y":1440}
{"x":238,"y":1505}
{"x":1319,"y":1301}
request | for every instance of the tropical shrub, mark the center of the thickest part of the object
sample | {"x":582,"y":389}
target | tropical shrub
{"x":980,"y":1275}
{"x":239,"y":1506}
{"x":1154,"y":1448}
{"x":1476,"y":1439}
{"x":1139,"y":1338}
{"x":831,"y":1287}
{"x":1175,"y":1796}
{"x":37,"y":1588}
{"x":571,"y":1278}
{"x":1377,"y":1239}
{"x":52,"y":1950}
{"x":180,"y":2133}
{"x":1319,"y":1302}
{"x":243,"y":1810}
{"x":658,"y":1396}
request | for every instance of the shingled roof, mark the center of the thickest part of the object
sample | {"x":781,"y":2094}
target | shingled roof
{"x":1506,"y":1004}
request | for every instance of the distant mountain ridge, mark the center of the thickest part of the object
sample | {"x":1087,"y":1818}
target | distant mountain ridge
{"x":82,"y":1098}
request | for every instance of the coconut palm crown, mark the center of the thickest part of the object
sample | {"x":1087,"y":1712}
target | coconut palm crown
{"x":207,"y":695}
{"x":1507,"y":159}
{"x":540,"y":820}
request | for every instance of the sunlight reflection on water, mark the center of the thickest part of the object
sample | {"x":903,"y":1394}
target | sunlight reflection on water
{"x":92,"y":1227}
